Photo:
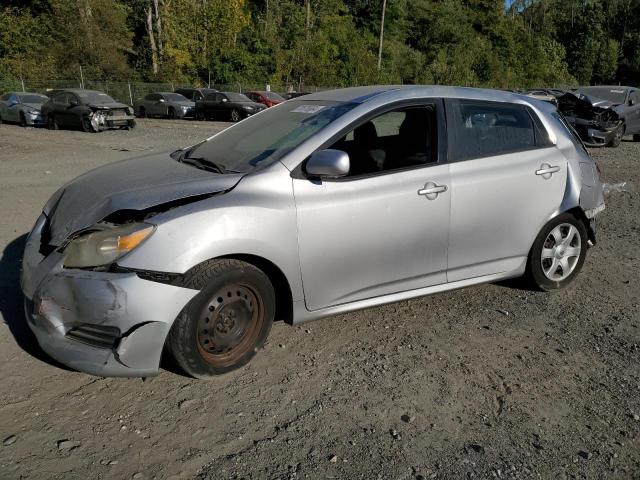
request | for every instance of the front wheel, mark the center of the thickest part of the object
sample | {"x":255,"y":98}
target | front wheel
{"x":23,"y":120}
{"x":235,"y":115}
{"x":617,"y":138}
{"x":52,"y":124}
{"x":636,"y":137}
{"x":171,"y":114}
{"x":224,"y":326}
{"x":558,"y":253}
{"x":86,"y":125}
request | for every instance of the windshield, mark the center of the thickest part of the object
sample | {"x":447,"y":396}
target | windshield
{"x":613,"y":95}
{"x":95,"y":97}
{"x":264,"y":138}
{"x":32,"y":98}
{"x":237,"y":97}
{"x":175,"y":97}
{"x":273,"y":96}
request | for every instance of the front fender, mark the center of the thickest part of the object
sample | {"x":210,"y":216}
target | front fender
{"x":257,"y":217}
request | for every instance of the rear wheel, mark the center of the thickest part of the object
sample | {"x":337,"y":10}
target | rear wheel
{"x":558,"y":253}
{"x":223,"y":326}
{"x":23,"y":119}
{"x":636,"y":138}
{"x":235,"y":115}
{"x":200,"y":116}
{"x":142,"y":113}
{"x":617,"y":138}
{"x":52,"y":124}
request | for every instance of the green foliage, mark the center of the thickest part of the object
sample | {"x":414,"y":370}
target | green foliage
{"x":292,"y":43}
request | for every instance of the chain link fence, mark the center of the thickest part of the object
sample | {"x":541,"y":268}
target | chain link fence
{"x":129,"y":92}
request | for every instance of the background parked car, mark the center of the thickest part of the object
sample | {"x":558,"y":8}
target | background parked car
{"x":268,"y":99}
{"x":90,"y":110}
{"x":22,"y":107}
{"x":624,"y":101}
{"x":165,"y":104}
{"x":226,"y":105}
{"x":195,"y":94}
{"x":290,"y":95}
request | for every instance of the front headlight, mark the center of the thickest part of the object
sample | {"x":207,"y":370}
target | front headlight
{"x":249,"y":108}
{"x":130,"y":110}
{"x":105,"y":246}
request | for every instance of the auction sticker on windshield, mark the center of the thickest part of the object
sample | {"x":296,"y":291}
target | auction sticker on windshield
{"x":308,"y":109}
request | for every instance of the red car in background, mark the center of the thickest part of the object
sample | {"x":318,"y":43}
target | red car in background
{"x":266,"y":98}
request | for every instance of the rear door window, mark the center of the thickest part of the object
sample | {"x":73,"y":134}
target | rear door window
{"x":480,"y":129}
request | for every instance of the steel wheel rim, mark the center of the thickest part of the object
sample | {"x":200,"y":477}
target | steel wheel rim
{"x":561,"y":252}
{"x":229,"y":324}
{"x":235,"y":116}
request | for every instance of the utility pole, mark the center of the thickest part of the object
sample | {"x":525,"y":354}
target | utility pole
{"x":81,"y":78}
{"x":384,"y":7}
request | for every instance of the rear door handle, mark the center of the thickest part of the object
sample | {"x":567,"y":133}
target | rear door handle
{"x":546,"y":170}
{"x":431,"y":190}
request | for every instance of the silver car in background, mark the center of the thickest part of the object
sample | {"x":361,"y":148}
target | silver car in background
{"x":165,"y":104}
{"x":23,"y":108}
{"x":336,"y":201}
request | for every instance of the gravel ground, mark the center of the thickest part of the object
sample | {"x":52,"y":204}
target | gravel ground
{"x":489,"y":382}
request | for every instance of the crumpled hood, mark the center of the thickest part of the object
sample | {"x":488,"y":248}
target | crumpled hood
{"x":104,"y":106}
{"x":135,"y":184}
{"x":33,"y":106}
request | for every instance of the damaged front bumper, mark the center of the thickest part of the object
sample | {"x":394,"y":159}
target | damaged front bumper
{"x":102,"y":323}
{"x":593,"y":133}
{"x":105,"y":120}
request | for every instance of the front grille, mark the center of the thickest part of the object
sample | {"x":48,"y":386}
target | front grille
{"x":98,"y":336}
{"x":117,"y":112}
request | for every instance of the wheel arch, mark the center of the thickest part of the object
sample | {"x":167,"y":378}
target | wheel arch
{"x":279,"y":281}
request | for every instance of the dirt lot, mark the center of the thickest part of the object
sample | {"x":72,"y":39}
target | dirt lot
{"x":489,"y":382}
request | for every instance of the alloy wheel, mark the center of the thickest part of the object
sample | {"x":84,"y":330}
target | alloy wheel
{"x":561,"y":252}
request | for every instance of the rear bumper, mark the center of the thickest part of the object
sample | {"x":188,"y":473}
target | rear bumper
{"x":106,"y":324}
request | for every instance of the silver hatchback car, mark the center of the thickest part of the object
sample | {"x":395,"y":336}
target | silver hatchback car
{"x":336,"y":201}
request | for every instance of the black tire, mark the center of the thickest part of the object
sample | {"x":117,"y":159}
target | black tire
{"x":142,"y":113}
{"x":617,"y":138}
{"x":23,"y":120}
{"x":200,"y":116}
{"x":535,"y":273}
{"x":235,"y":115}
{"x":52,"y":124}
{"x":86,"y":125}
{"x":636,"y":137}
{"x":171,"y":113}
{"x":131,"y":124}
{"x":0,"y":119}
{"x":214,"y":334}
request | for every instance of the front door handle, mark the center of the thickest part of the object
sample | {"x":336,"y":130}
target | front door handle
{"x":546,"y":170}
{"x":431,"y":190}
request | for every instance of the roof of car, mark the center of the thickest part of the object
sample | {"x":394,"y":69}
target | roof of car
{"x":77,"y":90}
{"x":362,"y":94}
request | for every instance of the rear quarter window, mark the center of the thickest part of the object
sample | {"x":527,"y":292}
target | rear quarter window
{"x":483,"y":129}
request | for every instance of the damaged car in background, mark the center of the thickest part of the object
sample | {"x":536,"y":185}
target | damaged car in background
{"x":198,"y":251}
{"x":89,"y":110}
{"x":600,"y":115}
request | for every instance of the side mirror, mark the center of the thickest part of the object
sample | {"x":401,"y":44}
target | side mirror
{"x":161,"y":100}
{"x":631,"y":102}
{"x":73,"y":103}
{"x":328,"y":164}
{"x":225,"y":100}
